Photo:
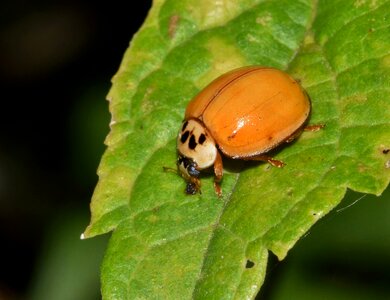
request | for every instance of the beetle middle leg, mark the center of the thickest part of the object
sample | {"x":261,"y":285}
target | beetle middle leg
{"x":218,"y":173}
{"x":270,"y":160}
{"x":312,"y":128}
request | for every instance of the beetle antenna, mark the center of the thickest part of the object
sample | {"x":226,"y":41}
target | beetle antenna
{"x":171,"y":170}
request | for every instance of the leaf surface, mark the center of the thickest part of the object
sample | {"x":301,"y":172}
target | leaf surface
{"x":167,"y":245}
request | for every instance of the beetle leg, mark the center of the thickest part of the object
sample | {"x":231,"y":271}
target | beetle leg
{"x":193,"y":186}
{"x":171,"y":170}
{"x":271,"y":161}
{"x":314,"y":127}
{"x":279,"y":163}
{"x":218,"y":189}
{"x":293,"y":136}
{"x":218,"y":173}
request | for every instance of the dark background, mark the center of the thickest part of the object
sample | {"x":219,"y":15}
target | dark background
{"x":56,"y":62}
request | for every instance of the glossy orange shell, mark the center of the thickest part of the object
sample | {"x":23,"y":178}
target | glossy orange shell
{"x":251,"y":110}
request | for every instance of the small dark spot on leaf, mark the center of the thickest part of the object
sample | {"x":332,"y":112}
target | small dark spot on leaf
{"x":173,"y":21}
{"x":386,"y":151}
{"x":184,"y":137}
{"x":249,"y":264}
{"x":192,"y":144}
{"x":270,"y":138}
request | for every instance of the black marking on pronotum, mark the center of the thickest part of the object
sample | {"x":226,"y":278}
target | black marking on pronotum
{"x":249,"y":264}
{"x":184,"y":137}
{"x":192,"y":143}
{"x":184,"y":125}
{"x":201,"y":139}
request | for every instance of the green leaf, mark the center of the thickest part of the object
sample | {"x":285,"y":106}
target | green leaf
{"x":167,"y":245}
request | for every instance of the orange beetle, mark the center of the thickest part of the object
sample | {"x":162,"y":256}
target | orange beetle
{"x":244,"y":114}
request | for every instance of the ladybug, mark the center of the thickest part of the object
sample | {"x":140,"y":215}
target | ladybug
{"x":242,"y":114}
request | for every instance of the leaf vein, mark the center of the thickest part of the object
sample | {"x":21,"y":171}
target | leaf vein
{"x":348,"y":22}
{"x":217,"y":222}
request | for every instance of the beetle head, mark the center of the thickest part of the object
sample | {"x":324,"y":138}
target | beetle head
{"x":188,"y":170}
{"x":197,"y":151}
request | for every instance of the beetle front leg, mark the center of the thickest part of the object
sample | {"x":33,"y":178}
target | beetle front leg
{"x":193,"y":186}
{"x":218,"y":173}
